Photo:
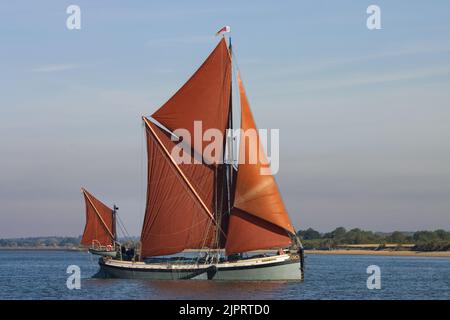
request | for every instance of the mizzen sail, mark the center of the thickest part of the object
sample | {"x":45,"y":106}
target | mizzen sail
{"x":99,"y":222}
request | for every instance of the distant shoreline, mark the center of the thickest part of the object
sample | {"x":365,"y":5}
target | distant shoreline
{"x":41,"y":249}
{"x":399,"y":253}
{"x":402,"y":253}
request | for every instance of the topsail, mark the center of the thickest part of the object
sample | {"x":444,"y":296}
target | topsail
{"x":204,"y":97}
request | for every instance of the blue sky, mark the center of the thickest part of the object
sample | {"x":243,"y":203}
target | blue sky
{"x":363,"y":115}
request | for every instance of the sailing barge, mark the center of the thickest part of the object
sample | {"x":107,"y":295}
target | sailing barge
{"x":224,"y":211}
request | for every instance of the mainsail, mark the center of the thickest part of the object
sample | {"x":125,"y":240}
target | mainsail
{"x":180,"y":210}
{"x":99,"y":222}
{"x":200,"y":176}
{"x":175,"y":217}
{"x":259,"y":219}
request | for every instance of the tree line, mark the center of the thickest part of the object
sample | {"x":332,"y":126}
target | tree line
{"x":41,"y":242}
{"x":52,"y":242}
{"x":438,"y":240}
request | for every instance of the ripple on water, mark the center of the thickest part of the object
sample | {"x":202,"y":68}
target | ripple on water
{"x":42,"y":275}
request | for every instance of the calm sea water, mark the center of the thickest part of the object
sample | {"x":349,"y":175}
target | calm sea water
{"x":42,"y":275}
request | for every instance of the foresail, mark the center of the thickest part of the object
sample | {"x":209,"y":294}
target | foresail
{"x":204,"y":97}
{"x":246,"y":232}
{"x":175,"y":217}
{"x":99,"y":222}
{"x":261,"y":212}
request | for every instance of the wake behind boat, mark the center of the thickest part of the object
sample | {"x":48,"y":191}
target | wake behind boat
{"x":210,"y":204}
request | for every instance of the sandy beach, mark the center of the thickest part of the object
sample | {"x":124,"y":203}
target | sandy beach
{"x":383,"y":252}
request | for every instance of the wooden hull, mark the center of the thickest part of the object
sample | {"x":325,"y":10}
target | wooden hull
{"x":283,"y":267}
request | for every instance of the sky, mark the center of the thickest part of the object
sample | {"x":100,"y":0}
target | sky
{"x":363,"y":114}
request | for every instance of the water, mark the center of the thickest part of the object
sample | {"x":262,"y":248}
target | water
{"x":42,"y":275}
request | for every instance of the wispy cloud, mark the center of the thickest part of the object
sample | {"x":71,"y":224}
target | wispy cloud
{"x":54,"y":68}
{"x":248,"y":61}
{"x":403,"y":51}
{"x":371,"y":78}
{"x":179,"y":40}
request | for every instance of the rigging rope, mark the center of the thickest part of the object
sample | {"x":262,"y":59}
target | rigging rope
{"x":141,"y":179}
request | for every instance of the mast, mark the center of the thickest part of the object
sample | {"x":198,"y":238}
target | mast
{"x":114,"y":222}
{"x":230,"y":141}
{"x":218,"y":192}
{"x":223,"y":173}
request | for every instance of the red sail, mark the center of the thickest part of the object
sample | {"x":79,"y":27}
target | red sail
{"x":261,"y":212}
{"x":247,"y":232}
{"x":175,"y":218}
{"x":201,"y":176}
{"x":204,"y":97}
{"x":99,"y":222}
